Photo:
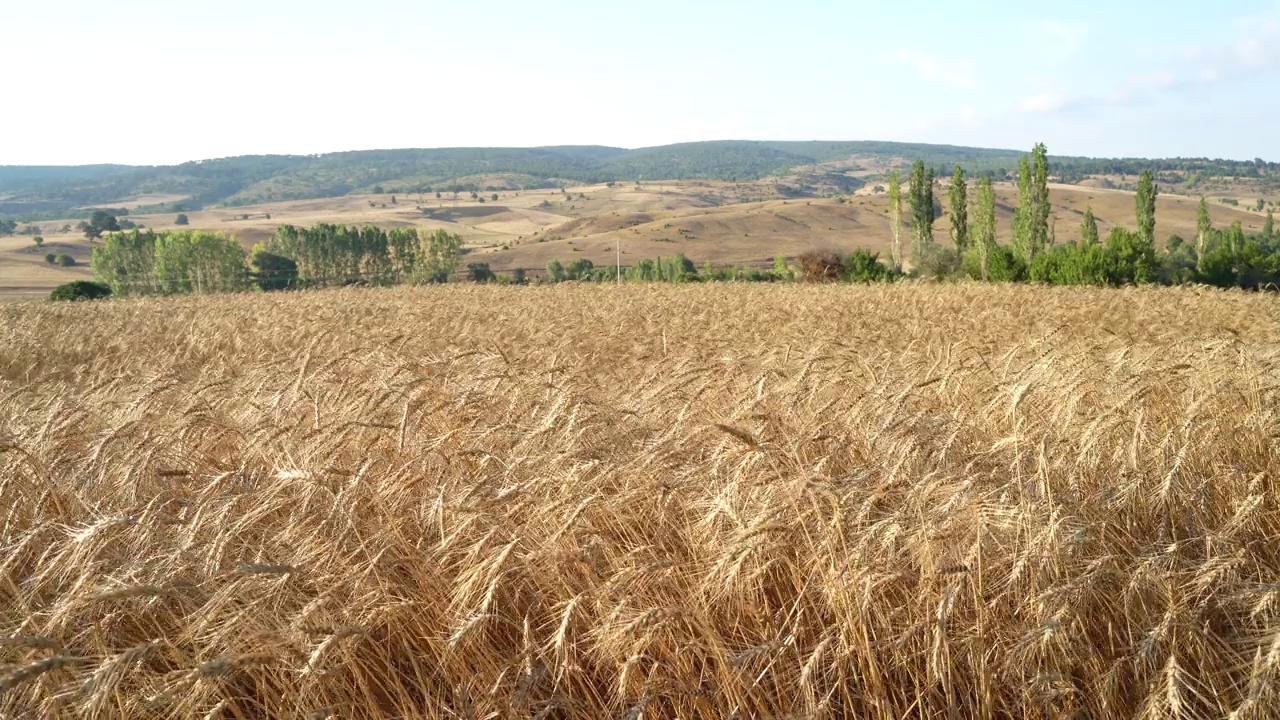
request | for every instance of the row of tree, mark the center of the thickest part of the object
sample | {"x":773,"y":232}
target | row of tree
{"x":1218,"y":257}
{"x":147,"y":262}
{"x":191,"y":261}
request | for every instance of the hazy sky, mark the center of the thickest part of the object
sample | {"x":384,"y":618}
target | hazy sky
{"x":144,"y":81}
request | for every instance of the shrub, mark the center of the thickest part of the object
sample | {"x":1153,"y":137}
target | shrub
{"x":938,"y":261}
{"x":80,"y":290}
{"x":50,"y":258}
{"x":1003,"y":265}
{"x":865,"y":266}
{"x":479,"y":272}
{"x":65,"y":260}
{"x":181,"y":220}
{"x":273,"y":272}
{"x":39,"y":241}
{"x":820,"y":266}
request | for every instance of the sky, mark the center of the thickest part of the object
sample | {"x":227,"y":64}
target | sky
{"x":162,"y":82}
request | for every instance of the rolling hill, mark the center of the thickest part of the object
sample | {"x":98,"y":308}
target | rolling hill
{"x":56,"y":192}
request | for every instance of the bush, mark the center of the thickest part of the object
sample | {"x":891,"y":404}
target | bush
{"x":1002,"y":265}
{"x":181,"y":220}
{"x":938,"y":261}
{"x":39,"y":241}
{"x":273,"y":272}
{"x":51,"y":258}
{"x":480,"y":272}
{"x":865,"y":266}
{"x":65,"y":260}
{"x":80,"y":290}
{"x":820,"y":266}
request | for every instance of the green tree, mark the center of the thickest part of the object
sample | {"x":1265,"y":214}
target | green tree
{"x":555,"y":271}
{"x":443,"y":256}
{"x":65,"y":260}
{"x":920,"y":198}
{"x":1088,"y":228}
{"x":895,"y":220}
{"x":50,"y":258}
{"x":957,"y":194}
{"x":1023,"y":214}
{"x":1204,"y":227}
{"x":479,"y":272}
{"x":80,"y":290}
{"x":984,"y":228}
{"x":39,"y":241}
{"x":1038,"y":232}
{"x":7,"y":226}
{"x":272,"y":272}
{"x":1145,"y":202}
{"x":101,"y":222}
{"x":864,"y":266}
{"x":182,"y":219}
{"x":1269,"y":227}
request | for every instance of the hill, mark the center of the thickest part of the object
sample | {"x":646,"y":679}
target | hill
{"x":55,"y":193}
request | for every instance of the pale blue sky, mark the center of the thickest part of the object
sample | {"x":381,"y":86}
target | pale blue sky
{"x":144,"y":81}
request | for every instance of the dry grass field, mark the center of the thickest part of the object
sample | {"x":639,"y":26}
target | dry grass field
{"x":718,"y":222}
{"x":656,"y":501}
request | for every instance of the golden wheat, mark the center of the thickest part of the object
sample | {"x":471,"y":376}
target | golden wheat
{"x":653,"y":501}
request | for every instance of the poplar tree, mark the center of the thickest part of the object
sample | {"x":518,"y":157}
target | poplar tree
{"x":984,"y":227}
{"x":1022,"y":215}
{"x":958,"y":196}
{"x":1204,"y":226}
{"x":1088,"y":228}
{"x":1145,"y":202}
{"x":1038,"y":232}
{"x":920,"y":195}
{"x":1269,"y":227}
{"x":895,"y":218}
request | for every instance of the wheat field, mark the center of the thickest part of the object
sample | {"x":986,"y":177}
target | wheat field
{"x":652,"y":501}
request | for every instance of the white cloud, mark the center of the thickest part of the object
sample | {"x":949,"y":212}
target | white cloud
{"x":957,"y":74}
{"x":1068,"y":37}
{"x":1044,"y":102}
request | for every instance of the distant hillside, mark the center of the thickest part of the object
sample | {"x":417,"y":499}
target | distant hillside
{"x":255,"y":179}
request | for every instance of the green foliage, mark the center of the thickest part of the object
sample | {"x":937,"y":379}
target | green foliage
{"x":1082,"y":264}
{"x":272,"y":272}
{"x":674,"y":269}
{"x":182,"y":219}
{"x":101,"y":222}
{"x":984,"y":229}
{"x":1089,"y":228}
{"x":65,"y":260}
{"x":1022,"y":215}
{"x":865,"y":266}
{"x":39,"y":241}
{"x":50,"y":258}
{"x":479,"y":272}
{"x":1002,"y":264}
{"x":1145,"y":203}
{"x":957,"y":196}
{"x":1130,"y":259}
{"x":80,"y":290}
{"x":895,"y":220}
{"x":555,"y":271}
{"x":920,"y":199}
{"x":170,"y":262}
{"x":7,"y":226}
{"x":1038,"y":219}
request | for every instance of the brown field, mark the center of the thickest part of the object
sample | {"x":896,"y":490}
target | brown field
{"x":704,"y":220}
{"x":714,"y":501}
